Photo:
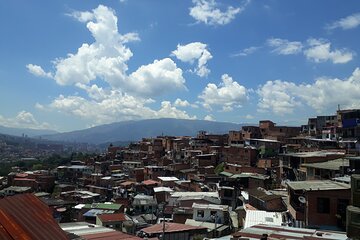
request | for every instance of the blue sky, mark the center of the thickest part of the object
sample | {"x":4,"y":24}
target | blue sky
{"x":69,"y":65}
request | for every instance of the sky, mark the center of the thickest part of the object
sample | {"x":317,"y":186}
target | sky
{"x":68,"y":65}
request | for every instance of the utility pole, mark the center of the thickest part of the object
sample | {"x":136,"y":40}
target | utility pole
{"x":163,"y":226}
{"x":163,"y":238}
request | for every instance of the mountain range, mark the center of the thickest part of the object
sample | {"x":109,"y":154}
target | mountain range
{"x":19,"y":132}
{"x":136,"y":130}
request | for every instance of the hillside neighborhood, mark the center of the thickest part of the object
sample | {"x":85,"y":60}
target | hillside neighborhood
{"x":257,"y":182}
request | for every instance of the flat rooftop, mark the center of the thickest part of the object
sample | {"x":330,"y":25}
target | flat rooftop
{"x":329,"y":165}
{"x":313,"y":154}
{"x":318,"y":185}
{"x":210,"y":206}
{"x":282,"y":232}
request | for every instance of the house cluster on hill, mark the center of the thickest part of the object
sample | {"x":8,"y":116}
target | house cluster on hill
{"x":258,"y":182}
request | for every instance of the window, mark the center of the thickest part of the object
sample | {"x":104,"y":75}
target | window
{"x":200,"y":213}
{"x":323,"y":205}
{"x":213,"y":213}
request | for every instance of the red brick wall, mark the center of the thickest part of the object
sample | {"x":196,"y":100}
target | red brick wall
{"x":315,"y":218}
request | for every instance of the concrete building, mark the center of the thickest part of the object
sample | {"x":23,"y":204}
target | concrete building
{"x":211,"y":213}
{"x":318,"y":204}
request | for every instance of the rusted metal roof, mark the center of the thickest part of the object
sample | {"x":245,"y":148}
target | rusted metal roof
{"x":113,"y":235}
{"x":112,"y":217}
{"x":170,"y":227}
{"x":26,"y":217}
{"x":150,"y":182}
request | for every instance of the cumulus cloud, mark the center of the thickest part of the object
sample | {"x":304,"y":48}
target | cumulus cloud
{"x":38,"y":71}
{"x":284,"y":47}
{"x":323,"y":95}
{"x":115,"y":106}
{"x":227,"y":94}
{"x":192,"y":52}
{"x":316,"y":50}
{"x":167,"y":110}
{"x":184,"y":103}
{"x":156,"y":78}
{"x":23,"y":119}
{"x":345,"y":23}
{"x":117,"y":95}
{"x":208,"y":12}
{"x":181,"y":103}
{"x":209,"y":118}
{"x":106,"y":59}
{"x":320,"y":51}
{"x":275,"y":96}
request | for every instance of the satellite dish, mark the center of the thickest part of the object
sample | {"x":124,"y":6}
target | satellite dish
{"x":302,"y":199}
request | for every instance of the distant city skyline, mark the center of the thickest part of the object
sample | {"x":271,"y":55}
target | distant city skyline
{"x":68,"y":65}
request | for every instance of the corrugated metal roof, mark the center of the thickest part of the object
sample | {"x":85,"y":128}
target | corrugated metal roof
{"x":26,"y":217}
{"x":182,"y":194}
{"x":170,"y":227}
{"x":167,"y":179}
{"x":92,"y":232}
{"x":112,"y":217}
{"x":95,"y":212}
{"x":114,"y":235}
{"x":108,"y":206}
{"x":254,"y":217}
{"x":162,"y":189}
{"x":150,"y":182}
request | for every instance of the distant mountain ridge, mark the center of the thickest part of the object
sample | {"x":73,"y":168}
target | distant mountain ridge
{"x":136,"y":130}
{"x":25,"y":131}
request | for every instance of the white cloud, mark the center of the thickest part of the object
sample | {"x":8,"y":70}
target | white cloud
{"x":246,"y":51}
{"x":209,"y":118}
{"x":156,"y":78}
{"x":38,"y":71}
{"x":130,"y":37}
{"x":320,"y":51}
{"x":106,"y":59}
{"x":167,"y":110}
{"x":275,"y":97}
{"x":184,"y":103}
{"x":119,"y":95}
{"x":39,"y":106}
{"x":323,"y":95}
{"x":181,"y":103}
{"x":249,"y":116}
{"x":284,"y":47}
{"x":82,"y":16}
{"x":326,"y":93}
{"x":227,"y":94}
{"x":346,"y":23}
{"x":317,"y":50}
{"x":192,"y":52}
{"x":23,"y":119}
{"x":208,"y":12}
{"x":115,"y":106}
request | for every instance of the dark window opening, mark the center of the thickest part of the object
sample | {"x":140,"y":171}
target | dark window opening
{"x":323,"y":205}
